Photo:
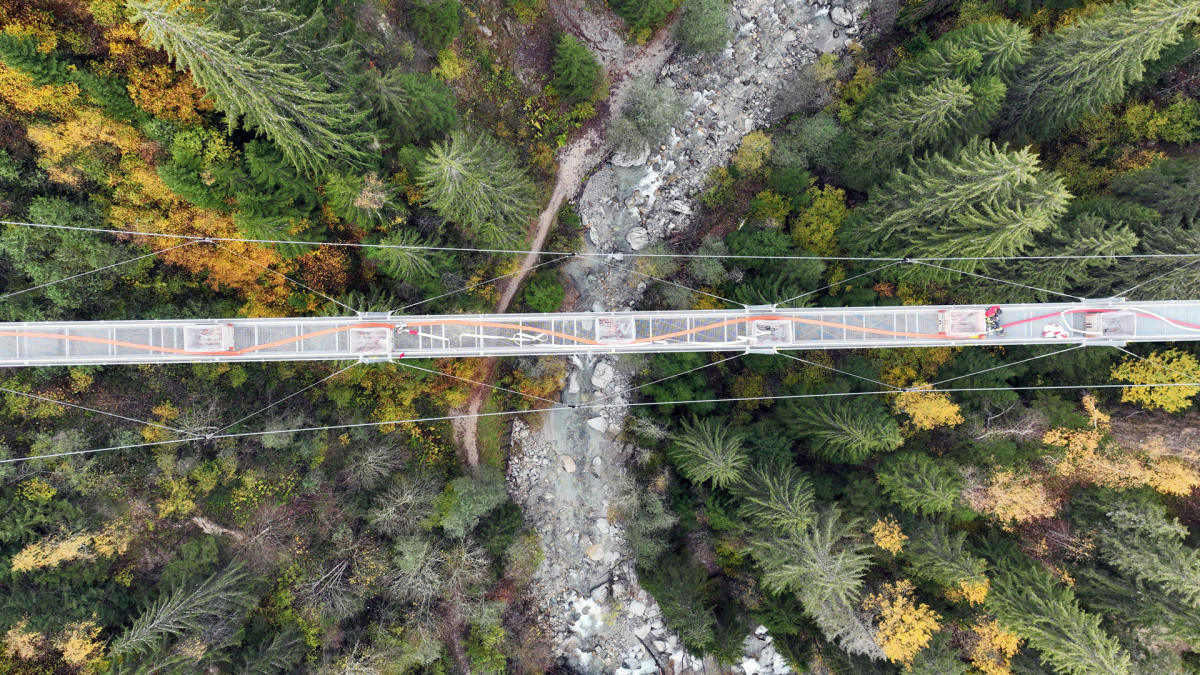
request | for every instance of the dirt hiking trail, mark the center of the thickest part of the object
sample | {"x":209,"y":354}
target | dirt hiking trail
{"x":575,"y":161}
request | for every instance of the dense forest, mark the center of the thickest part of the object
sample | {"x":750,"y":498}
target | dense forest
{"x":989,"y":526}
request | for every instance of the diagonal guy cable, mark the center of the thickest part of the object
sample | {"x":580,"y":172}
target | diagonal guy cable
{"x":482,"y":384}
{"x":1164,"y":367}
{"x":309,"y":288}
{"x":1009,"y":365}
{"x":661,"y":379}
{"x":1167,"y":274}
{"x":98,"y":269}
{"x":484,"y":283}
{"x":828,"y":286}
{"x":587,"y":406}
{"x":291,"y":395}
{"x":98,"y":412}
{"x":1002,"y":281}
{"x":694,"y":290}
{"x":842,"y":372}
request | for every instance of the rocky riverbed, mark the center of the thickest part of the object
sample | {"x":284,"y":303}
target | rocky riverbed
{"x":567,"y":474}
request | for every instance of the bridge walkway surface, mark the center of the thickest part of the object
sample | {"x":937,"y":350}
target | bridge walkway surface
{"x":381,"y":337}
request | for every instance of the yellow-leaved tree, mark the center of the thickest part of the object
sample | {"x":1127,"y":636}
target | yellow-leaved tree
{"x":905,"y":627}
{"x":994,"y":647}
{"x":1171,"y":367}
{"x":888,"y":535}
{"x":928,"y":409}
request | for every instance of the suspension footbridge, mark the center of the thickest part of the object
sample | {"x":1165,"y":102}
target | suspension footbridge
{"x":766,"y":329}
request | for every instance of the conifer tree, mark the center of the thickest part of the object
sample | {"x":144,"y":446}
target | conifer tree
{"x":981,"y":201}
{"x":937,"y":554}
{"x":183,"y":610}
{"x":1030,"y":602}
{"x":476,"y":181}
{"x":1085,"y":66}
{"x":776,"y":497}
{"x":991,"y":49}
{"x":1141,"y":543}
{"x":413,"y":106}
{"x":824,"y":566}
{"x":938,"y":116}
{"x":576,"y":70}
{"x":920,"y":484}
{"x":708,"y":450}
{"x":845,"y":430}
{"x":248,"y":78}
{"x":703,"y":26}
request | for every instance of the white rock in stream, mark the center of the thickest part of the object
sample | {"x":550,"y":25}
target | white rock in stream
{"x":638,"y":237}
{"x":603,"y":375}
{"x":598,"y":423}
{"x":568,"y":463}
{"x":841,"y":16}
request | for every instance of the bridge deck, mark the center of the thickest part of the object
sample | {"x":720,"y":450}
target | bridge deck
{"x":381,"y":337}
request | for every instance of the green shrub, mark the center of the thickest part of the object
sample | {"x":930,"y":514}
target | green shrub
{"x":649,"y":113}
{"x":468,"y":499}
{"x":576,"y":70}
{"x":643,"y":16}
{"x":544,"y":293}
{"x":704,"y":26}
{"x":436,"y":23}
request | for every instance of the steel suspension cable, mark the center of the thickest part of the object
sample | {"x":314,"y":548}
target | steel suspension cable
{"x":482,"y":384}
{"x":589,"y":406}
{"x":346,"y":244}
{"x":664,"y":379}
{"x":484,"y":283}
{"x":98,"y":269}
{"x":1151,"y":280}
{"x":836,"y":283}
{"x":1008,"y":365}
{"x":841,"y":372}
{"x":686,"y":288}
{"x":1002,"y":281}
{"x":308,"y":288}
{"x":98,"y":412}
{"x":291,"y":395}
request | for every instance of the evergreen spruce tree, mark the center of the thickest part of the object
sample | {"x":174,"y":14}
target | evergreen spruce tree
{"x":708,"y":450}
{"x":920,"y":484}
{"x":1141,"y":543}
{"x":937,"y":554}
{"x":935,"y":116}
{"x":776,"y":497}
{"x":248,"y":78}
{"x":1030,"y":602}
{"x":703,"y":26}
{"x":576,"y":70}
{"x":824,"y":566}
{"x":1096,"y":227}
{"x":981,"y":201}
{"x":1139,"y":608}
{"x":183,"y":610}
{"x":476,"y":181}
{"x":413,"y":106}
{"x":1085,"y":66}
{"x":844,"y":430}
{"x":991,"y":49}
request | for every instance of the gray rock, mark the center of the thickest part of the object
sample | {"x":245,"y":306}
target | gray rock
{"x":600,"y":594}
{"x":603,"y":375}
{"x":841,"y":16}
{"x":628,"y":159}
{"x":598,"y":423}
{"x":638,"y":238}
{"x":568,"y":463}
